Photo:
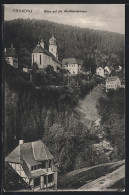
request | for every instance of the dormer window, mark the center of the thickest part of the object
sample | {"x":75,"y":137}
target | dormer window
{"x":43,"y":165}
{"x":35,"y":167}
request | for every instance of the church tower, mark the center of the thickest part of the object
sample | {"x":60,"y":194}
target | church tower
{"x":53,"y":46}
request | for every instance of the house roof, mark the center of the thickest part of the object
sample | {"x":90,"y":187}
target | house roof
{"x":40,"y":151}
{"x":107,"y":69}
{"x":112,"y":78}
{"x":10,"y":52}
{"x":39,"y":49}
{"x":33,"y":153}
{"x":14,"y":156}
{"x":99,"y":67}
{"x":71,"y":61}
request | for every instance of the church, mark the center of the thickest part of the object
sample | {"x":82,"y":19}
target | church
{"x":43,"y":58}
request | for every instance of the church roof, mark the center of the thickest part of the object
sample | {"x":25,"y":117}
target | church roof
{"x":71,"y":61}
{"x":52,"y":40}
{"x":33,"y":153}
{"x":10,"y":52}
{"x":39,"y":49}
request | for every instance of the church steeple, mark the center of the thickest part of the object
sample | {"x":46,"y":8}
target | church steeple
{"x":53,"y":46}
{"x":52,"y":40}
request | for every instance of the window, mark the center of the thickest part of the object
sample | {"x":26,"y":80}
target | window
{"x":51,"y":49}
{"x":50,"y":178}
{"x":43,"y":166}
{"x":35,"y":167}
{"x":33,"y":58}
{"x":40,"y":60}
{"x":45,"y":180}
{"x":37,"y":181}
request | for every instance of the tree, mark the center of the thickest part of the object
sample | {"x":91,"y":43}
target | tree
{"x":49,"y":69}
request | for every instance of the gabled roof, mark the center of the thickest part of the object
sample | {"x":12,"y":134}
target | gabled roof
{"x":33,"y":153}
{"x":14,"y":156}
{"x":40,"y":151}
{"x":10,"y":52}
{"x":39,"y":49}
{"x":112,"y":78}
{"x":71,"y":61}
{"x":100,"y":67}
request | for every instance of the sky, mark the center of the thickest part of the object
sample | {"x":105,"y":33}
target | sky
{"x":109,"y":17}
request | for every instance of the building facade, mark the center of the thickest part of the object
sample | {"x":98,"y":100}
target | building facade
{"x":113,"y":83}
{"x":100,"y":71}
{"x":103,"y":72}
{"x":34,"y":164}
{"x":73,"y":65}
{"x":11,"y":56}
{"x":43,"y":58}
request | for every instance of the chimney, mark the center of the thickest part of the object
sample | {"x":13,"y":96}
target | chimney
{"x":21,"y":142}
{"x":42,"y":43}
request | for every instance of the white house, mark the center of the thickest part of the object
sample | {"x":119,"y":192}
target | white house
{"x":107,"y":69}
{"x":34,"y":164}
{"x":113,"y":83}
{"x":43,"y":58}
{"x":100,"y":71}
{"x":73,"y":65}
{"x":103,"y":72}
{"x":11,"y":56}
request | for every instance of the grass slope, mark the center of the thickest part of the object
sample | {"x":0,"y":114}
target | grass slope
{"x":78,"y":178}
{"x":110,"y":181}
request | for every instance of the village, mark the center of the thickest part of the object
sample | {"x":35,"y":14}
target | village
{"x":33,"y":161}
{"x":73,"y":66}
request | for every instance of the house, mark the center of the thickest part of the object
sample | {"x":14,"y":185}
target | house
{"x":73,"y":65}
{"x":100,"y":71}
{"x":122,"y":83}
{"x":103,"y":72}
{"x":113,"y":83}
{"x":34,"y":164}
{"x":43,"y":58}
{"x":11,"y":56}
{"x":107,"y":71}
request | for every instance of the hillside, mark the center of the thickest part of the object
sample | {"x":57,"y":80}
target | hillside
{"x":87,"y":107}
{"x":72,"y":41}
{"x":111,"y":182}
{"x":93,"y":178}
{"x":51,"y":113}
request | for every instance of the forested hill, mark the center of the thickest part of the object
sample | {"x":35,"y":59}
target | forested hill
{"x":72,"y":41}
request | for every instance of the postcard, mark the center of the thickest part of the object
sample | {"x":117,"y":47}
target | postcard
{"x":64,"y":95}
